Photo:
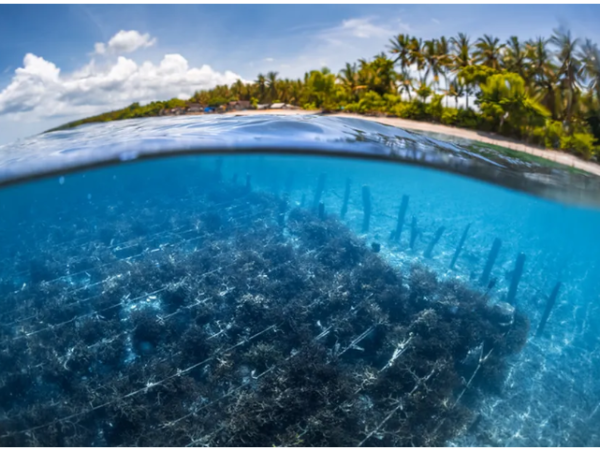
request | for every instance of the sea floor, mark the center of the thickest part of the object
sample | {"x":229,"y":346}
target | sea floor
{"x":225,"y":309}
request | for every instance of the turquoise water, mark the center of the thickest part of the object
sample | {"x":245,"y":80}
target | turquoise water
{"x":229,"y":295}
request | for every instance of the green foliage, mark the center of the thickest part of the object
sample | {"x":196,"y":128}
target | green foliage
{"x":450,"y":116}
{"x":475,"y":74}
{"x":414,"y":110}
{"x":545,"y":91}
{"x":424,"y":91}
{"x":320,"y":89}
{"x":582,"y":144}
{"x":370,"y":102}
{"x":504,"y":102}
{"x":435,"y":109}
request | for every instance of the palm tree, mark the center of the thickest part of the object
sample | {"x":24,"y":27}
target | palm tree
{"x":272,"y":85}
{"x":514,"y":57}
{"x":378,"y":75}
{"x":404,"y":83}
{"x":432,"y":65}
{"x":416,"y":55}
{"x":590,"y":58}
{"x":261,"y":84}
{"x":569,"y":67}
{"x":488,"y":51}
{"x":401,"y":47}
{"x":462,"y":58}
{"x":350,"y":80}
{"x":456,"y":90}
{"x":444,"y":59}
{"x":543,"y":75}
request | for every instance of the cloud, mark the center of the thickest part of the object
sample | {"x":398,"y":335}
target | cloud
{"x":269,"y":59}
{"x":39,"y":91}
{"x":363,"y":28}
{"x":361,"y":31}
{"x":125,"y":42}
{"x":436,"y":21}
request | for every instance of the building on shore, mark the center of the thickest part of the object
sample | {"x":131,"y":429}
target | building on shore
{"x":282,"y":106}
{"x":238,"y":105}
{"x":195,"y":108}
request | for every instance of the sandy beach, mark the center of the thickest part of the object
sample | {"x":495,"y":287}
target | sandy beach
{"x":489,"y":138}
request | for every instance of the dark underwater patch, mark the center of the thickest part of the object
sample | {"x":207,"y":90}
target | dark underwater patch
{"x":212,"y":321}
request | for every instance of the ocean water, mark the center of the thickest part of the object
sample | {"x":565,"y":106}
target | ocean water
{"x":290,"y":281}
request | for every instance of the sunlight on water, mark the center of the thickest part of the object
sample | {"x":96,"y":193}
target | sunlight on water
{"x":271,"y":299}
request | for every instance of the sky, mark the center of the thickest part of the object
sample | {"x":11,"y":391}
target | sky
{"x":63,"y":62}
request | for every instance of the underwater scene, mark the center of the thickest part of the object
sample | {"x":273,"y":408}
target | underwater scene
{"x":293,"y":281}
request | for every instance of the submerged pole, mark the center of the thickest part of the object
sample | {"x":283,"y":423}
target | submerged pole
{"x":283,"y":206}
{"x":434,"y":241}
{"x":319,"y":191}
{"x":366,"y":197}
{"x":321,"y":210}
{"x":548,"y":310}
{"x":234,"y":178}
{"x":346,"y":198}
{"x":460,"y":246}
{"x":414,"y":232}
{"x":485,"y":276}
{"x":248,"y":182}
{"x":514,"y":283}
{"x":401,"y":214}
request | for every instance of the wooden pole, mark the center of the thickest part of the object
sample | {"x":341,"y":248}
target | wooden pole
{"x":434,"y":241}
{"x":319,"y":191}
{"x":401,"y":215}
{"x":321,"y":211}
{"x":248,"y":182}
{"x":548,"y":310}
{"x":487,"y":270}
{"x":516,"y":277}
{"x":366,"y":196}
{"x":460,"y":246}
{"x":414,"y":232}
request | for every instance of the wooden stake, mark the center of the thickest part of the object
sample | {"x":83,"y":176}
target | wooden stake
{"x":514,"y":283}
{"x":321,"y":211}
{"x":248,"y":182}
{"x":414,"y":232}
{"x":401,"y":215}
{"x":548,"y":310}
{"x":485,"y":276}
{"x":434,"y":241}
{"x":460,"y":246}
{"x":366,"y":197}
{"x":319,"y":191}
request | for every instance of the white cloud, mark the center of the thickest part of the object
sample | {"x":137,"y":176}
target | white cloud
{"x":436,"y":21}
{"x":39,"y":91}
{"x":361,"y":32}
{"x":363,"y":28}
{"x":125,"y":42}
{"x":269,"y":59}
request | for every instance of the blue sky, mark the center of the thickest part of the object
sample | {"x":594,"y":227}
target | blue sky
{"x":62,"y":62}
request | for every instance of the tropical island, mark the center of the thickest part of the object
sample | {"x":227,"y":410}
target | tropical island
{"x":543,"y":92}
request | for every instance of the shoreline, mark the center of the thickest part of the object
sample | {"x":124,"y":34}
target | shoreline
{"x":566,"y":159}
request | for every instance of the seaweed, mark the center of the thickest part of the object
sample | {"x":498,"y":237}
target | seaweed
{"x":220,"y":321}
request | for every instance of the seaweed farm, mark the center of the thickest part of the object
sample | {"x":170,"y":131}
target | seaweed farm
{"x":294,"y":300}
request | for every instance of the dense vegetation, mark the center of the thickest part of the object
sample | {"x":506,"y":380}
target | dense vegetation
{"x":204,"y":312}
{"x":543,"y":91}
